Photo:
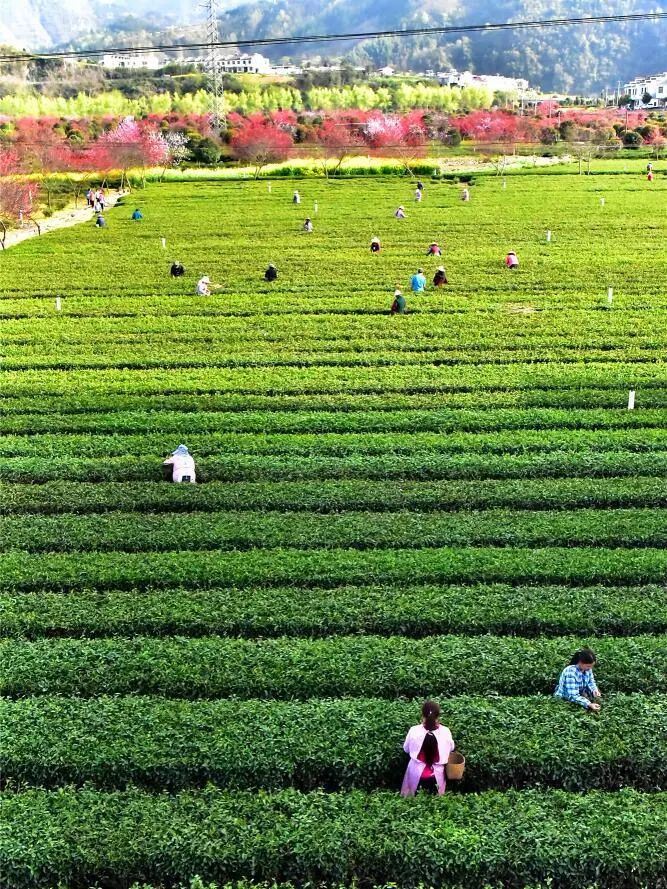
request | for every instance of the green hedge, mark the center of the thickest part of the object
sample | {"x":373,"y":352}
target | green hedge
{"x":333,"y":496}
{"x":517,"y":441}
{"x":318,"y":568}
{"x":79,"y":838}
{"x":131,"y":532}
{"x":258,"y":381}
{"x":406,"y":610}
{"x":336,"y":744}
{"x":287,"y":668}
{"x":567,"y":408}
{"x":179,"y":356}
{"x":64,"y":496}
{"x":419,"y":465}
{"x":384,"y":418}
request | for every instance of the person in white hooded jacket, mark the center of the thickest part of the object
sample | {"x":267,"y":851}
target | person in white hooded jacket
{"x":182,"y":464}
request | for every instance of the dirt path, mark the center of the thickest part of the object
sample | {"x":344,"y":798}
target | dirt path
{"x":61,"y":219}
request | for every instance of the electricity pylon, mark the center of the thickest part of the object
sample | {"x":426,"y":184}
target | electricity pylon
{"x":214,"y":68}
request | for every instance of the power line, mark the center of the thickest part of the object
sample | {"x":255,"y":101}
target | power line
{"x":331,"y":38}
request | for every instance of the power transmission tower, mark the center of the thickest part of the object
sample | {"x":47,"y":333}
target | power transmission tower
{"x":214,"y":68}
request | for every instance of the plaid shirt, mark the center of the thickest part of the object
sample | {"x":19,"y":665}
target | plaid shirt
{"x":572,"y":682}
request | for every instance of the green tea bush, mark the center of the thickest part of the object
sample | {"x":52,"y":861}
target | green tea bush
{"x":446,"y":503}
{"x":510,"y":839}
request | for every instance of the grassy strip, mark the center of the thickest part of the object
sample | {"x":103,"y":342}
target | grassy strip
{"x":77,"y":838}
{"x":443,"y":420}
{"x":332,"y":379}
{"x":59,"y":497}
{"x":317,"y":568}
{"x":142,"y":357}
{"x":349,"y":333}
{"x":356,"y":666}
{"x":131,"y":532}
{"x":406,"y":610}
{"x":507,"y":743}
{"x":419,"y":465}
{"x":340,"y":444}
{"x":547,"y":408}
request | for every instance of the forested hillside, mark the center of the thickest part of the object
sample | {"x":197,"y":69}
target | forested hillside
{"x":575,"y":58}
{"x":581,"y":59}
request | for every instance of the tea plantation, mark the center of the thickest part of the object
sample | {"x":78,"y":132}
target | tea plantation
{"x":217,"y":679}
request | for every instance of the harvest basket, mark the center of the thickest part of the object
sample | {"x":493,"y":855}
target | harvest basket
{"x":455,"y":766}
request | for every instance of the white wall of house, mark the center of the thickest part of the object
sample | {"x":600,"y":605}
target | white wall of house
{"x":655,"y":86}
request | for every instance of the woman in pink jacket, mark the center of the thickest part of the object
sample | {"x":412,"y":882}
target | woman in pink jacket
{"x":428,"y":746}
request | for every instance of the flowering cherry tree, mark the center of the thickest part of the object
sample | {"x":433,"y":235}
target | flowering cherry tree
{"x":404,"y":136}
{"x":258,"y":142}
{"x":16,"y":194}
{"x":131,"y":146}
{"x":336,"y":140}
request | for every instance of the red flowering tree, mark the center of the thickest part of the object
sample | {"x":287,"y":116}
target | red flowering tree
{"x":337,"y":140}
{"x":258,"y":142}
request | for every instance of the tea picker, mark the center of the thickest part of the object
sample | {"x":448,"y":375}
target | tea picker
{"x":577,"y":684}
{"x":180,"y":466}
{"x":204,"y":286}
{"x":430,"y":747}
{"x":418,"y":282}
{"x":399,"y":306}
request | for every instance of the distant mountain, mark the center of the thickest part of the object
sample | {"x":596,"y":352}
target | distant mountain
{"x":43,"y":24}
{"x":568,"y":59}
{"x":32,"y":24}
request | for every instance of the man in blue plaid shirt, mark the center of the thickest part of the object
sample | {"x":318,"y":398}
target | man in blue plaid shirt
{"x":577,"y":683}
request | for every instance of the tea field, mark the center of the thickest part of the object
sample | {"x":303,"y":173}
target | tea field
{"x":216,"y":680}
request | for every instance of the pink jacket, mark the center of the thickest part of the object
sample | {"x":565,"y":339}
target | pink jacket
{"x":412,"y":746}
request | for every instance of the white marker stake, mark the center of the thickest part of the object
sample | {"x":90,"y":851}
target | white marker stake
{"x":269,"y":187}
{"x":548,"y":237}
{"x":610,"y":295}
{"x":602,"y":202}
{"x":504,"y":183}
{"x":164,"y":243}
{"x":316,"y":206}
{"x":631,"y":400}
{"x":58,"y":304}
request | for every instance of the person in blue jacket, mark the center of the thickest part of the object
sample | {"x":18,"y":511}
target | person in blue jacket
{"x":418,"y":282}
{"x":137,"y":215}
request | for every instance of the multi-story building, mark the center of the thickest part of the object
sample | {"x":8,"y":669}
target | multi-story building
{"x":136,"y":61}
{"x":654,"y":86}
{"x":246,"y":64}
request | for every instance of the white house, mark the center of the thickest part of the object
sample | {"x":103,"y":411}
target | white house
{"x":246,"y":64}
{"x":136,"y":61}
{"x":387,"y":71}
{"x":655,"y":86}
{"x":497,"y":83}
